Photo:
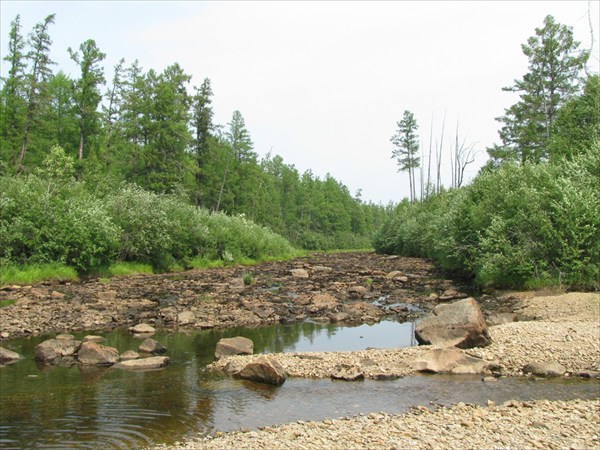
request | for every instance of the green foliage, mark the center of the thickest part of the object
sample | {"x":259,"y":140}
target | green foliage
{"x":555,"y":67}
{"x":34,"y":273}
{"x":514,"y":227}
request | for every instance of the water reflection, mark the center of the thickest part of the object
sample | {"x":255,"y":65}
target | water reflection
{"x":90,"y":407}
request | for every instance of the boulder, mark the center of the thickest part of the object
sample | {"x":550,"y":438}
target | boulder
{"x":460,"y":324}
{"x":153,"y":362}
{"x":545,"y":369}
{"x":263,"y":370}
{"x":347,"y":372}
{"x":321,"y":269}
{"x":450,"y":360}
{"x":320,"y":302}
{"x":8,"y":355}
{"x":142,"y":328}
{"x":397,"y":275}
{"x":299,"y":273}
{"x":149,"y":345}
{"x":92,"y":353}
{"x":52,"y":350}
{"x":234,"y":346}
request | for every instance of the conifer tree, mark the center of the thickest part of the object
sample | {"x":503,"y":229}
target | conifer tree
{"x":406,"y":149}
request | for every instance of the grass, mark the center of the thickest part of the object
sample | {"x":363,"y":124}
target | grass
{"x":36,"y":273}
{"x":121,"y":269}
{"x":4,"y":303}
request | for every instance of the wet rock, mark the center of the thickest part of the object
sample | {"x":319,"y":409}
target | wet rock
{"x":142,"y":328}
{"x":347,"y":372}
{"x":52,"y":350}
{"x":150,"y":345}
{"x":589,"y":374}
{"x":264,"y":370}
{"x":186,"y":318}
{"x":5,"y":335}
{"x":64,"y":337}
{"x":234,"y":346}
{"x":92,"y":338}
{"x":460,"y":324}
{"x":339,"y":317}
{"x":545,"y":369}
{"x":92,"y":353}
{"x":8,"y":355}
{"x":445,"y":360}
{"x":299,"y":273}
{"x":129,"y":355}
{"x":153,"y":362}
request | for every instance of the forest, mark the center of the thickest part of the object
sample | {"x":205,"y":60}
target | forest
{"x":129,"y":166}
{"x":531,"y":217}
{"x":103,"y":169}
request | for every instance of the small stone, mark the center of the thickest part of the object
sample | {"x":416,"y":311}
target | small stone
{"x":142,"y":328}
{"x":64,"y":337}
{"x":150,"y":345}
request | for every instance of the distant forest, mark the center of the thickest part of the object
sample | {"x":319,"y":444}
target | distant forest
{"x":156,"y":130}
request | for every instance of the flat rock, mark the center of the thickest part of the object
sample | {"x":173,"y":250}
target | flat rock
{"x":64,"y":337}
{"x":545,"y":369}
{"x":449,"y":360}
{"x":92,"y":338}
{"x":153,"y":362}
{"x":347,"y":372}
{"x":186,"y":318}
{"x":142,"y":328}
{"x":234,"y":346}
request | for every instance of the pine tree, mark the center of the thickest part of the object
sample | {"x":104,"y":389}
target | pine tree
{"x":555,"y":68}
{"x":406,"y":149}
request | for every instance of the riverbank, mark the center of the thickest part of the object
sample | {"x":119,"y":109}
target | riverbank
{"x":526,"y":425}
{"x":563,"y":329}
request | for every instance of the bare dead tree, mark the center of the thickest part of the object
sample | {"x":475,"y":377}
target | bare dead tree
{"x":439,"y":156}
{"x":462,"y":156}
{"x":429,"y":158}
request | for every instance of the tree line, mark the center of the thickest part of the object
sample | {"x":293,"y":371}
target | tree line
{"x":531,"y":217}
{"x":156,"y":130}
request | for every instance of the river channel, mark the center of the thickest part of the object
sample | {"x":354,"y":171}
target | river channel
{"x":89,"y":407}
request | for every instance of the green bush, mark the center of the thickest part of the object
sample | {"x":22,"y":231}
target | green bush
{"x":513,"y":227}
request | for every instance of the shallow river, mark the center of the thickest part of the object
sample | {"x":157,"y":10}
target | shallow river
{"x":89,"y":407}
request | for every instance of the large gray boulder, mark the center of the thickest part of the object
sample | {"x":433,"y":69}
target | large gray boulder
{"x":460,"y":324}
{"x":234,"y":346}
{"x":7,"y":355}
{"x":52,"y":350}
{"x":264,"y":370}
{"x":92,"y":353}
{"x":450,"y":360}
{"x":545,"y":369}
{"x":151,"y":363}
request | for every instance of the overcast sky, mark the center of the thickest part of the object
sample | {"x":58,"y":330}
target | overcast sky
{"x":323,"y":84}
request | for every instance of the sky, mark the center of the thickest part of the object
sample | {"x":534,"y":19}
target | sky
{"x":323,"y":84}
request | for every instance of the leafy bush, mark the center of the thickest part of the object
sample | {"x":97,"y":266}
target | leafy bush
{"x":514,"y":227}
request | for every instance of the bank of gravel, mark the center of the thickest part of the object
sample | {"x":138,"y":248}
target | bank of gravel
{"x":568,"y":334}
{"x":562,"y":328}
{"x":539,"y":424}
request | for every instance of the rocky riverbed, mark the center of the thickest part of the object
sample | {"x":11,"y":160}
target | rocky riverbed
{"x":343,"y":287}
{"x":355,"y":288}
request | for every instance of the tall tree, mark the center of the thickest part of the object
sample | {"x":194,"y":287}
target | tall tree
{"x":13,"y":95}
{"x":86,"y":90}
{"x":37,"y":79}
{"x":202,"y":128}
{"x":406,"y":148}
{"x":111,"y":110}
{"x":555,"y":68}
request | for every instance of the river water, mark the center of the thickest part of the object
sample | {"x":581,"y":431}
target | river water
{"x":91,"y":407}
